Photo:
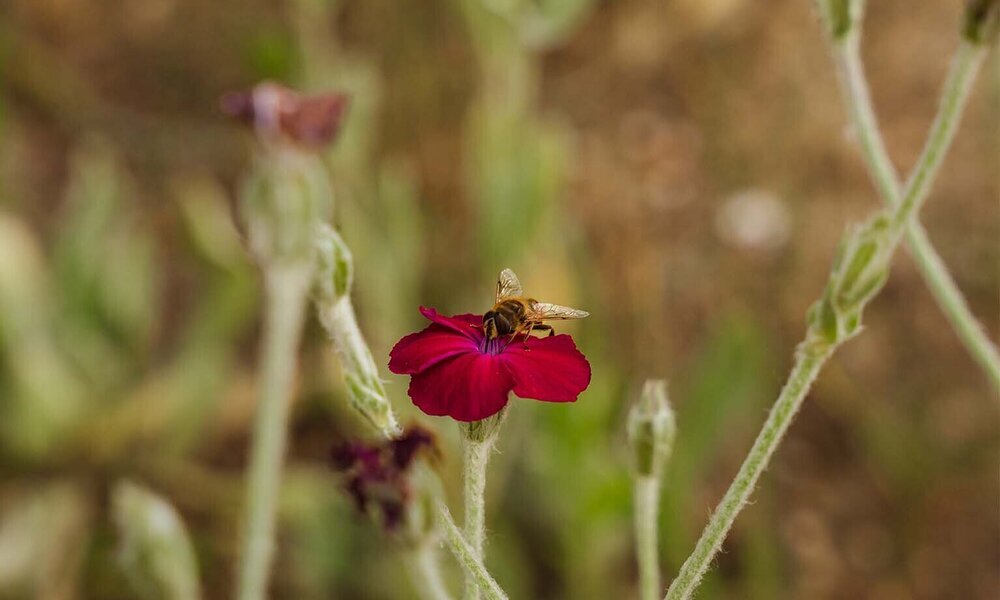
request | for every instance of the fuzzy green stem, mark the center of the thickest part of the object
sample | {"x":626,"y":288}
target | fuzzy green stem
{"x":476,"y":455}
{"x":809,"y":361}
{"x":961,"y":76}
{"x":935,"y":273}
{"x":467,"y":556}
{"x":286,"y":289}
{"x":646,"y":492}
{"x":816,"y":349}
{"x":334,"y":279}
{"x":360,"y":373}
{"x":425,"y":572}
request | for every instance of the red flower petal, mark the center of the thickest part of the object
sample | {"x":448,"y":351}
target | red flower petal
{"x":424,"y":349}
{"x":550,"y":368}
{"x":468,"y":387}
{"x":470,"y":326}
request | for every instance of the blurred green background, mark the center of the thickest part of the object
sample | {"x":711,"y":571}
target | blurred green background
{"x":680,"y":169}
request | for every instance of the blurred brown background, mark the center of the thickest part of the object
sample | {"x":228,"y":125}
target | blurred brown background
{"x":680,"y":169}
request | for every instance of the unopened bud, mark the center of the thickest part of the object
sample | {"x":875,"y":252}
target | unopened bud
{"x":859,"y":272}
{"x":282,"y":201}
{"x":651,"y":429}
{"x":840,"y":16}
{"x":334,"y":266}
{"x":156,"y":552}
{"x":982,"y":21}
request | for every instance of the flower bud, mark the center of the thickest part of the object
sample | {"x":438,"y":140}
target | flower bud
{"x":859,"y":272}
{"x":651,"y":429}
{"x":156,"y":552}
{"x":840,"y":16}
{"x":282,"y":201}
{"x":334,"y":266}
{"x":982,"y":21}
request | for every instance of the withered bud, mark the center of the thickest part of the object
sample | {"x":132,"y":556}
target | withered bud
{"x":378,"y":474}
{"x":982,"y":21}
{"x":279,"y":113}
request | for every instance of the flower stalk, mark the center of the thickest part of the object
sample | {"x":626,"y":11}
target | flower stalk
{"x":858,"y":274}
{"x":283,"y":199}
{"x":478,"y":439}
{"x":475,"y":456}
{"x":939,"y":280}
{"x":425,"y":572}
{"x":651,"y":431}
{"x":467,"y":557}
{"x":332,"y":295}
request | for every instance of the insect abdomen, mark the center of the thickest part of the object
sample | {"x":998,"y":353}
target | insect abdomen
{"x":506,"y":316}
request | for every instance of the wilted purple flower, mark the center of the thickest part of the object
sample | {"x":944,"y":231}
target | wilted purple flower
{"x":277,"y":112}
{"x":376,"y":474}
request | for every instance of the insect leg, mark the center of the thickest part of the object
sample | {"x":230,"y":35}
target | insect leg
{"x":549,"y":328}
{"x":527,"y":334}
{"x":490,"y":328}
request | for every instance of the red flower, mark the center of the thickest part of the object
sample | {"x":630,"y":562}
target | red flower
{"x":457,"y":372}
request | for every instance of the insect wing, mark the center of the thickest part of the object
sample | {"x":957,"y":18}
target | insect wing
{"x":508,"y":286}
{"x":553,"y":312}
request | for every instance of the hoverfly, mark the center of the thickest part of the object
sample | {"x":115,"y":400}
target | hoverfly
{"x":515,"y":314}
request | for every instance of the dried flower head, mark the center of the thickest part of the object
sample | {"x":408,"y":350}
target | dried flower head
{"x":279,"y":113}
{"x":377,"y":474}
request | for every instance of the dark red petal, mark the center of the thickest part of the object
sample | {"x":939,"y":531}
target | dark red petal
{"x":470,"y":326}
{"x":550,"y":368}
{"x":423,"y":349}
{"x":466,"y":388}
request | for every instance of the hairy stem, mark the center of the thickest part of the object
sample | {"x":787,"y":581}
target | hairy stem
{"x":809,"y":360}
{"x":467,"y":556}
{"x":365,"y":389}
{"x":815,"y":350}
{"x":933,"y":269}
{"x":961,"y":76}
{"x":936,"y":275}
{"x":646,"y":492}
{"x":476,"y":455}
{"x":425,"y":572}
{"x":286,"y":288}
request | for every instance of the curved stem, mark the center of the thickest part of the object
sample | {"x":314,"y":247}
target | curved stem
{"x":809,"y":361}
{"x":813,"y":352}
{"x":962,"y":74}
{"x":425,"y":571}
{"x":646,"y":491}
{"x":951,"y":301}
{"x":286,"y":287}
{"x":467,"y":557}
{"x":935,"y":273}
{"x":476,"y":455}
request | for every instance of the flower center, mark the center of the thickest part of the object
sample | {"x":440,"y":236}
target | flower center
{"x":493,"y":346}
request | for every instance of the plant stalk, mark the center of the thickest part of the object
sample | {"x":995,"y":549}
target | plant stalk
{"x":476,"y":455}
{"x":467,"y":556}
{"x":425,"y":572}
{"x":814,"y":351}
{"x":286,"y":289}
{"x":935,"y":273}
{"x":646,"y":493}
